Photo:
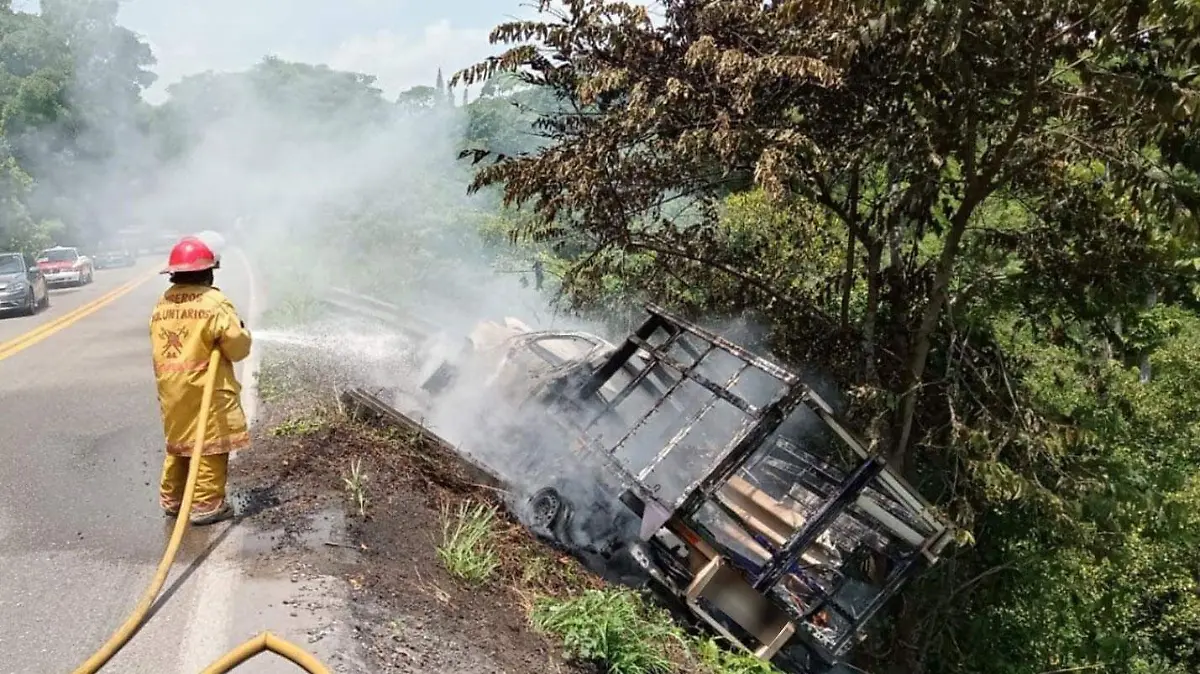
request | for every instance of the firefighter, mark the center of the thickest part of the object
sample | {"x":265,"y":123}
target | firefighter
{"x":191,"y":319}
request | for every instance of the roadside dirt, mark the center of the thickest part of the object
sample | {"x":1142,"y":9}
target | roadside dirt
{"x":409,"y":615}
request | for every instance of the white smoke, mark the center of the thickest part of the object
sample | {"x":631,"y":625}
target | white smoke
{"x":324,"y":183}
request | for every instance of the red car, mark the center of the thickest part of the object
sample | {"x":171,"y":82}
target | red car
{"x":65,"y":266}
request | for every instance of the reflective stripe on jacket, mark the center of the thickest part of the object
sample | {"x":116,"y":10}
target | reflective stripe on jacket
{"x":187,"y":323}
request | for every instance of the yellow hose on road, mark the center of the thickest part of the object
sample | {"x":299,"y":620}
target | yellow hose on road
{"x":264,"y":641}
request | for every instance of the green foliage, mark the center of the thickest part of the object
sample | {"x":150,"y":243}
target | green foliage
{"x":1085,"y":553}
{"x":468,"y":548}
{"x":900,"y":125}
{"x":614,"y":628}
{"x":398,"y":226}
{"x":621,"y":633}
{"x":297,"y":426}
{"x":793,"y":249}
{"x":70,"y":86}
{"x":274,"y":381}
{"x":418,"y":99}
{"x":502,"y":120}
{"x":296,"y":306}
{"x":303,"y":102}
{"x":980,"y":217}
{"x":714,"y":659}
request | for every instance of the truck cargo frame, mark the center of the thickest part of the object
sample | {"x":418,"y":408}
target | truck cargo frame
{"x":743,"y":598}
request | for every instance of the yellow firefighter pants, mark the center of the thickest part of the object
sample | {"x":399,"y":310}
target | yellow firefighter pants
{"x":210,"y":483}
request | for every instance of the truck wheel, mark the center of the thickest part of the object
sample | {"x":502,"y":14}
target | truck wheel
{"x":549,"y":513}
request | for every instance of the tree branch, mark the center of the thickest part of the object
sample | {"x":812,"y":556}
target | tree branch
{"x":979,"y":187}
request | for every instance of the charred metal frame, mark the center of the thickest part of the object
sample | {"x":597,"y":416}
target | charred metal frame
{"x":790,"y":553}
{"x":869,"y":496}
{"x":761,"y":423}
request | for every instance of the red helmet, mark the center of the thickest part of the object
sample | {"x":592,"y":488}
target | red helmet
{"x":191,"y":254}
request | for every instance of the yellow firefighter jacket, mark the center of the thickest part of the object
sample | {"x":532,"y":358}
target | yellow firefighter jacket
{"x":188,"y":322}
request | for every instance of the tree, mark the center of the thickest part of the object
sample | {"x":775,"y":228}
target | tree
{"x":73,"y":117}
{"x":320,"y":93}
{"x":502,"y":119}
{"x":417,"y":99}
{"x":36,"y":70}
{"x":1009,"y":183}
{"x":314,"y":101}
{"x":900,"y":121}
{"x":111,"y":67}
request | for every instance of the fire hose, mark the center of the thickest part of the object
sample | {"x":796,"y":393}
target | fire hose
{"x":263,"y":642}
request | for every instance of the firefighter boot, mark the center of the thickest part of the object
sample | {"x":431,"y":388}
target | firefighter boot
{"x":219,"y":514}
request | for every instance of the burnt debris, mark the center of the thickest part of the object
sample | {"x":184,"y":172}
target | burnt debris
{"x":666,"y":460}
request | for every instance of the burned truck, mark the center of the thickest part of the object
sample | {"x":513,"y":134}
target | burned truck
{"x":718,"y":477}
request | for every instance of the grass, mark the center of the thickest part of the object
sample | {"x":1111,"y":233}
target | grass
{"x":614,"y":627}
{"x":355,"y":484}
{"x":291,"y":311}
{"x":468,"y":542}
{"x":618,"y":630}
{"x":714,"y":659}
{"x":273,"y":382}
{"x":302,"y":425}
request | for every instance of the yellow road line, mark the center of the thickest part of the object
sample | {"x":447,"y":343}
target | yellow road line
{"x":18,"y":344}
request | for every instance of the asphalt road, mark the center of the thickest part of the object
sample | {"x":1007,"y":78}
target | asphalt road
{"x":80,"y":529}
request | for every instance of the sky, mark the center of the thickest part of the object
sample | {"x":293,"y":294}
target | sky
{"x":401,"y":42}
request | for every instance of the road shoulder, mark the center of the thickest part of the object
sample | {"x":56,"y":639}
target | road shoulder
{"x":246,"y":587}
{"x":409,"y":613}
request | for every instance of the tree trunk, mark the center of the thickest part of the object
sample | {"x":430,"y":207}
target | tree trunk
{"x":848,"y":275}
{"x":979,"y":186}
{"x":895,"y":238}
{"x":871,"y":320}
{"x":921,"y":343}
{"x":1144,"y":370}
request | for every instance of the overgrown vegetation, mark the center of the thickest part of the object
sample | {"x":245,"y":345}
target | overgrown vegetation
{"x":274,"y":380}
{"x":292,"y":309}
{"x":625,"y":634}
{"x":70,"y":77}
{"x":712,"y":658}
{"x":468,"y":548}
{"x":980,"y":217}
{"x":612,"y":627}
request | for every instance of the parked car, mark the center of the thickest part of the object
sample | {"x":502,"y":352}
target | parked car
{"x":64,"y":265}
{"x":22,"y":286}
{"x":111,"y":257}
